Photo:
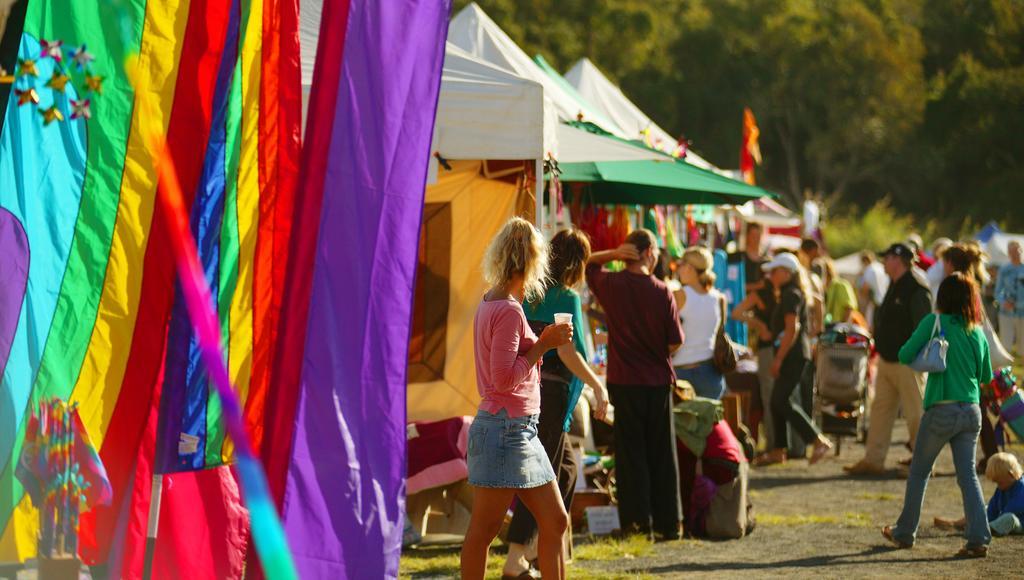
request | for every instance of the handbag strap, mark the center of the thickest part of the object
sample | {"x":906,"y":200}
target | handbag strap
{"x":721,"y":323}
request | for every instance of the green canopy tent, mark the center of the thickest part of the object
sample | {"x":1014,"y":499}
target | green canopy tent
{"x":657,"y":182}
{"x":663,"y":180}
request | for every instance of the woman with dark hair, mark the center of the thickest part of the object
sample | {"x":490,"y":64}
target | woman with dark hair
{"x":952,"y":412}
{"x":562,"y":378}
{"x":970,"y":260}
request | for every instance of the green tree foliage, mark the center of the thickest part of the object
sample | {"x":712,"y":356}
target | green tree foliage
{"x":917,"y":101}
{"x":852,"y":229}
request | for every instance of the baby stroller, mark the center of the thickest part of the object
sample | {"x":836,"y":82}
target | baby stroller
{"x":840,"y":382}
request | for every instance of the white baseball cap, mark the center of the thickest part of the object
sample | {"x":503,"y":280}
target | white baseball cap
{"x":783,"y":260}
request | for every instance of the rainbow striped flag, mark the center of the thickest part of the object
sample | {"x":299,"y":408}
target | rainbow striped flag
{"x":89,"y":311}
{"x":310,"y":257}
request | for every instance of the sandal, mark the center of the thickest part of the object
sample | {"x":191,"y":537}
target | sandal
{"x":770,"y":458}
{"x":820,"y":449}
{"x":968,"y":552}
{"x":887,"y":534}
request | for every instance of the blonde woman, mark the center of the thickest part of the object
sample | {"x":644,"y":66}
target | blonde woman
{"x":564,"y":374}
{"x":702,"y":310}
{"x":506,"y":459}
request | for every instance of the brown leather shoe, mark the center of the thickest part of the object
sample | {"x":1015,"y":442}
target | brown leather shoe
{"x":887,"y":534}
{"x":969,"y":552}
{"x":863,"y":468}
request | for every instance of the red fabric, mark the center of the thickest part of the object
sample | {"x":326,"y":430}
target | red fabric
{"x":279,"y":420}
{"x":434,"y":444}
{"x":131,"y":545}
{"x":190,"y":124}
{"x":643,"y":321}
{"x":925,"y":261}
{"x":264,"y":315}
{"x":721,"y":445}
{"x":793,"y":232}
{"x":207,"y":505}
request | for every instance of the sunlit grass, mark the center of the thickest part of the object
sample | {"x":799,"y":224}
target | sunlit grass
{"x":605,"y":549}
{"x":878,"y":496}
{"x":444,"y":562}
{"x":848,"y":519}
{"x":441,"y":563}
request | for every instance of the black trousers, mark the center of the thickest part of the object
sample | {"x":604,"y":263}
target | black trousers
{"x":646,"y":466}
{"x":554,"y":402}
{"x":786,"y":411}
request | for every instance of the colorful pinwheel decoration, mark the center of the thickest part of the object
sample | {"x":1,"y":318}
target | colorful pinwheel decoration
{"x":42,"y":80}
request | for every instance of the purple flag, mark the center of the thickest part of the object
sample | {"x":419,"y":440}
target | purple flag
{"x":344,"y":500}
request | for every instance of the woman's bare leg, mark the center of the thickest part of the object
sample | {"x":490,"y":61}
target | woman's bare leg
{"x":489,"y":508}
{"x":545,"y":502}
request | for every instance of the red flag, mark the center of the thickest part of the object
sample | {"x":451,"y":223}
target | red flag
{"x":750,"y":152}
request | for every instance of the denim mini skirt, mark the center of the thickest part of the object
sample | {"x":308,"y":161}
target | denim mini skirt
{"x":506,"y":453}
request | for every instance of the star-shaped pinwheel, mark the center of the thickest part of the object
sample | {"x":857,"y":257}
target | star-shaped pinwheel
{"x":27,"y":96}
{"x":27,"y":66}
{"x":58,"y":82}
{"x":52,"y":114}
{"x":80,"y":109}
{"x":95,"y":83}
{"x":82,"y":57}
{"x":52,"y":49}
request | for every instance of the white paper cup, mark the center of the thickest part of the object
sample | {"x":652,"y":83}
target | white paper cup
{"x":563,"y":318}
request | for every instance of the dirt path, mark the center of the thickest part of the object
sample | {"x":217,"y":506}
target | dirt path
{"x":817,"y":522}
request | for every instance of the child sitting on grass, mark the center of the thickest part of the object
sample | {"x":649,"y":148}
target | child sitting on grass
{"x":1006,"y":508}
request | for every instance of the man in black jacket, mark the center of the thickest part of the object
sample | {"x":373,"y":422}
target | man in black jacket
{"x":906,"y":303}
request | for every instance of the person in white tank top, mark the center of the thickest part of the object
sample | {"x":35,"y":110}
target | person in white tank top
{"x":701,"y":311}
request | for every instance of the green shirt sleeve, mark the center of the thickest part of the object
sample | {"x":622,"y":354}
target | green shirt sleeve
{"x":922,"y":334}
{"x":985,"y":372}
{"x":578,"y":338}
{"x":848,"y":296}
{"x":561,"y":300}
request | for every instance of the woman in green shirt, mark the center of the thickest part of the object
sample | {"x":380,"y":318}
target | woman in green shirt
{"x":562,"y":377}
{"x":952,"y":414}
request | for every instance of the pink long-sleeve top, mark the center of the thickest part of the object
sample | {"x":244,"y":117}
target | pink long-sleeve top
{"x":503,"y":377}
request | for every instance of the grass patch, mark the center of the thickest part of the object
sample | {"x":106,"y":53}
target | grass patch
{"x":444,"y":562}
{"x":432,"y":563}
{"x":607,"y":549}
{"x":878,"y":496}
{"x":848,"y":519}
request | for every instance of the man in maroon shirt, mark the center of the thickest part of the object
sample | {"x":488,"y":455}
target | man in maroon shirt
{"x":643,"y":332}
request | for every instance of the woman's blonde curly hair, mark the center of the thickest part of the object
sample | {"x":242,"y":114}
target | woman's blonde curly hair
{"x":518,"y":249}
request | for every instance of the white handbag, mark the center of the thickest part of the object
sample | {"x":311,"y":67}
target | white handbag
{"x":1000,"y":357}
{"x":932,"y":358}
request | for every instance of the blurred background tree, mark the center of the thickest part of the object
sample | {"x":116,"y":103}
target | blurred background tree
{"x":917,"y":102}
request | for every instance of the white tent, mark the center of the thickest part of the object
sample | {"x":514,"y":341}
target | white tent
{"x":849,"y":266}
{"x":484,"y":112}
{"x":473,"y":31}
{"x":578,"y":145}
{"x":770,"y":213}
{"x":997,"y":247}
{"x":605,"y":96}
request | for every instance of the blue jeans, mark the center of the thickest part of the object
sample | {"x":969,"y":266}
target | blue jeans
{"x":706,"y":381}
{"x":1006,"y":524}
{"x":959,"y":425}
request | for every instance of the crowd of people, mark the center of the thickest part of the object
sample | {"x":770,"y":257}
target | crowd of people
{"x":532,"y":365}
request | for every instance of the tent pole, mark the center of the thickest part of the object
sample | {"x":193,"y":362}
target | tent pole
{"x":539,"y":209}
{"x":153,"y":523}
